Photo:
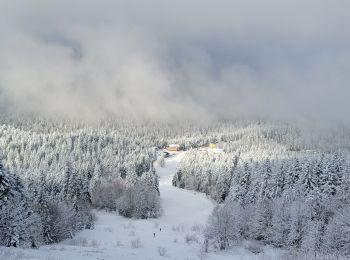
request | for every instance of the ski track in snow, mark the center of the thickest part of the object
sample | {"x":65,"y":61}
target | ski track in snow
{"x":185,"y":215}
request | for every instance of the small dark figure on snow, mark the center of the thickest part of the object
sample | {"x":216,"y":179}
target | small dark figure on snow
{"x":160,"y":230}
{"x":154,"y":234}
{"x":33,"y":245}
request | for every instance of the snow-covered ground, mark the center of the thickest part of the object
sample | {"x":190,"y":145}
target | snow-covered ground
{"x":175,"y":235}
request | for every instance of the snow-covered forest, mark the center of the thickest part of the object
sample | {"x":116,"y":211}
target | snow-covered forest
{"x":51,"y":179}
{"x":276,"y":183}
{"x":278,"y":186}
{"x":187,"y":130}
{"x":54,"y":173}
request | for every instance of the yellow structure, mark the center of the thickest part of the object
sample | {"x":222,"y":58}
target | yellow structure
{"x":212,"y":145}
{"x":173,"y":147}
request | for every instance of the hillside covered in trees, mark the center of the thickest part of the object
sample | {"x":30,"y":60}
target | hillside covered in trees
{"x":52,"y":179}
{"x":276,"y":183}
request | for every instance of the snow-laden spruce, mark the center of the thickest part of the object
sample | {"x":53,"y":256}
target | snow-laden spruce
{"x":281,"y":185}
{"x":289,"y":198}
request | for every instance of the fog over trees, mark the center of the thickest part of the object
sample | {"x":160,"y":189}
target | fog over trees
{"x":188,"y":59}
{"x":91,"y":92}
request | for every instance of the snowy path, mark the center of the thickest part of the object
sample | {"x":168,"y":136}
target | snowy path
{"x":115,"y":237}
{"x":181,"y":206}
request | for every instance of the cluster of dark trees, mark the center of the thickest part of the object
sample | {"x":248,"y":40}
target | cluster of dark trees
{"x":142,"y":199}
{"x":19,"y":224}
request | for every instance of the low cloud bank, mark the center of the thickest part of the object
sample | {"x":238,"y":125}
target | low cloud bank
{"x":176,"y":60}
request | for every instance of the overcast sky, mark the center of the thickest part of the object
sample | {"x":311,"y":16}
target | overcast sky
{"x":183,"y":59}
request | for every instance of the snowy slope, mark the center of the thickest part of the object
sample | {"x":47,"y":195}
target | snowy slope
{"x":118,"y":238}
{"x":181,"y":207}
